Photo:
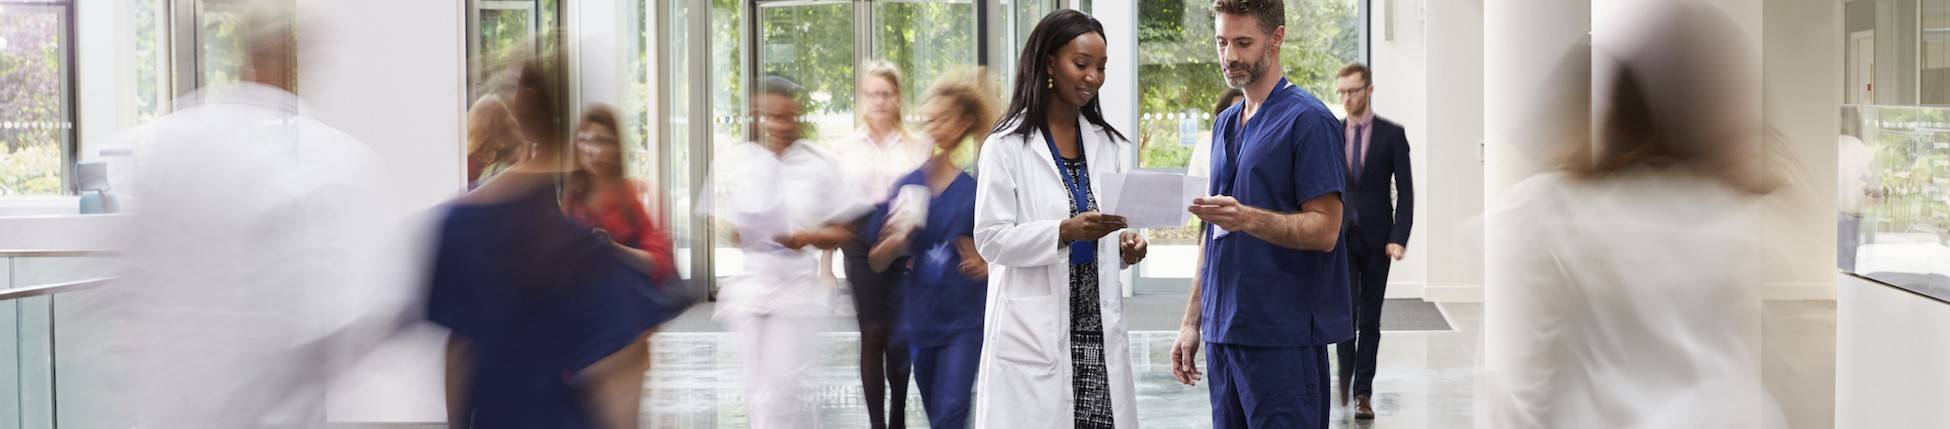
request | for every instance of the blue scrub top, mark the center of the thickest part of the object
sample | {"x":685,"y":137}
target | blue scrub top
{"x":541,"y":299}
{"x":939,"y":305}
{"x":1254,"y":292}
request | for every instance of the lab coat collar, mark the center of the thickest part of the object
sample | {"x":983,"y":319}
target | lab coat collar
{"x":249,"y":93}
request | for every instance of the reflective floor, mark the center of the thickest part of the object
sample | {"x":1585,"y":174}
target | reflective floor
{"x":1424,"y":379}
{"x":1424,"y":382}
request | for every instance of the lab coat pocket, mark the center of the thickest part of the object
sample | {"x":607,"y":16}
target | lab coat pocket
{"x":1027,"y":344}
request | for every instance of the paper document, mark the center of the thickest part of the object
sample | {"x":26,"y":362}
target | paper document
{"x":1149,"y":199}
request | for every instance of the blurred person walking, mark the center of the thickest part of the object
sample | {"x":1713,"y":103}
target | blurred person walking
{"x":776,"y":195}
{"x":1055,"y":351}
{"x":254,"y":258}
{"x":598,"y":195}
{"x":550,"y":320}
{"x":874,"y":159}
{"x":1627,"y":278}
{"x":1272,"y":290}
{"x":942,"y":275}
{"x":493,"y":141}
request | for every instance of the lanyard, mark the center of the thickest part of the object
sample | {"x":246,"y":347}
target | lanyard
{"x":1081,"y":252}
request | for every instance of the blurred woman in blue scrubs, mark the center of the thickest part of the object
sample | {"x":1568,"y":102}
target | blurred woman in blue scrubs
{"x":945,"y":287}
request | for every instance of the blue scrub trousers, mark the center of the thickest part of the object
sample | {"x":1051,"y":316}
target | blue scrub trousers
{"x":1267,"y":387}
{"x":946,"y":375}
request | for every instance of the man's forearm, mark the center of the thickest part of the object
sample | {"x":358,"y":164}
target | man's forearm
{"x":1305,"y":230}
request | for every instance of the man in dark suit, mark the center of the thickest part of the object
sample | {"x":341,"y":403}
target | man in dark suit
{"x":1375,"y":224}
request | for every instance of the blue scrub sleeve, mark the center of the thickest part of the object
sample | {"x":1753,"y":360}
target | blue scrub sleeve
{"x":447,"y":302}
{"x":1319,"y":167}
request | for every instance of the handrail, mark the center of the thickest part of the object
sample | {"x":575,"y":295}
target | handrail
{"x":50,"y":289}
{"x":18,"y":253}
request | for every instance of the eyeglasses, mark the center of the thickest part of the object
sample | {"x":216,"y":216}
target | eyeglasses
{"x":1350,"y":92}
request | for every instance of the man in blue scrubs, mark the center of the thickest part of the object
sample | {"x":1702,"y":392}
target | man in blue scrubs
{"x":1272,"y":290}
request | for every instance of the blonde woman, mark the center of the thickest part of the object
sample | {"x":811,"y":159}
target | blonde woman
{"x":943,"y":281}
{"x":494,"y":140}
{"x":872,"y":160}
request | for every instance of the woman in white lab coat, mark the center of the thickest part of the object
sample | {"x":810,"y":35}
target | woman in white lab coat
{"x":1055,"y":352}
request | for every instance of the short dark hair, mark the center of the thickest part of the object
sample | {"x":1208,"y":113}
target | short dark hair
{"x":779,"y":85}
{"x":1271,"y":14}
{"x":1352,"y":68}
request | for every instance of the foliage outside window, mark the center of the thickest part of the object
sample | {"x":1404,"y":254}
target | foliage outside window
{"x":1179,"y":80}
{"x":35,"y":124}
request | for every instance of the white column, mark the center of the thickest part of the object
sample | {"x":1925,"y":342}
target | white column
{"x":393,"y":75}
{"x":1120,"y":92}
{"x":1449,"y":226}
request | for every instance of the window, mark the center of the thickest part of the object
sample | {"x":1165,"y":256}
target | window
{"x":36,"y":97}
{"x":924,"y":40}
{"x":812,"y":44}
{"x":501,"y":29}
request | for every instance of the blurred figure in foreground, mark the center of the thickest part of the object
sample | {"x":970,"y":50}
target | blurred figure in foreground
{"x":873,"y":160}
{"x":945,"y":290}
{"x":777,"y":195}
{"x":1624,"y":285}
{"x":252,"y":275}
{"x":550,"y":320}
{"x":599,"y":196}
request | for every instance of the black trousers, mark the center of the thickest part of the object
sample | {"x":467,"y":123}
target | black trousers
{"x":1368,"y":275}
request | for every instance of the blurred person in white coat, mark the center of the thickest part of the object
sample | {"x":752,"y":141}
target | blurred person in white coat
{"x":1054,"y":350}
{"x":775,"y":194}
{"x":255,"y":259}
{"x":1624,"y":284}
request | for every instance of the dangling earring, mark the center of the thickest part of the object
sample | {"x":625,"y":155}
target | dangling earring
{"x":1049,"y":83}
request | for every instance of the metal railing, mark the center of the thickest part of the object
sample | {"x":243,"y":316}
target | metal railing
{"x":31,"y":319}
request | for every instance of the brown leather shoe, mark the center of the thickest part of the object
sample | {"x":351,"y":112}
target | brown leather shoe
{"x":1361,"y":409}
{"x":1343,"y":384}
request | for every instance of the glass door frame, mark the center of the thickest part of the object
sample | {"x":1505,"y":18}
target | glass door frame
{"x":477,"y":75}
{"x":70,"y":148}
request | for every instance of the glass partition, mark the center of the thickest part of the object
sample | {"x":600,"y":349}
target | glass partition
{"x":1893,"y":196}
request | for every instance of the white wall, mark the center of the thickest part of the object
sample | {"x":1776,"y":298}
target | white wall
{"x":1400,"y":67}
{"x":1801,"y":64}
{"x":392,"y":74}
{"x":1452,"y":221}
{"x":104,"y":72}
{"x":598,"y":45}
{"x":1890,"y":351}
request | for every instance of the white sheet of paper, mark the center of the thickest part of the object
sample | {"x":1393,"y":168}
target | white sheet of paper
{"x":761,"y":230}
{"x":1148,"y":199}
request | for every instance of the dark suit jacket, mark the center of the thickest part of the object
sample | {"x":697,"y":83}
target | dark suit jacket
{"x":1379,"y":223}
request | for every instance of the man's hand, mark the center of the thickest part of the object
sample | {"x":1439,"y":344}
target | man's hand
{"x":1184,"y":356}
{"x":1226,"y":212}
{"x":1133,"y":247}
{"x":1396,"y":251}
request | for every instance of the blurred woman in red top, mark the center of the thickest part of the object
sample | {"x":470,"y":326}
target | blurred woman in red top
{"x":599,"y":196}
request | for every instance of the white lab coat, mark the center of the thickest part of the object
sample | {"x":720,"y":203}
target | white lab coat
{"x":1025,"y":375}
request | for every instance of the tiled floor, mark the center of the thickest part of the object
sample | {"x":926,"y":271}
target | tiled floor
{"x":1425,"y":379}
